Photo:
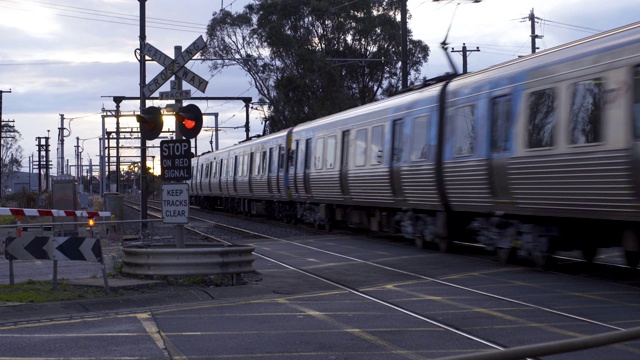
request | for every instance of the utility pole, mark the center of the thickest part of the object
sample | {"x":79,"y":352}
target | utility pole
{"x":404,"y":52}
{"x":61,"y":143}
{"x":532,"y":18}
{"x":1,"y":92}
{"x":465,"y":53}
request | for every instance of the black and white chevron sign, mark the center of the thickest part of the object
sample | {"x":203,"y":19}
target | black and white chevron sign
{"x":56,"y":248}
{"x":76,"y":248}
{"x":27,"y":248}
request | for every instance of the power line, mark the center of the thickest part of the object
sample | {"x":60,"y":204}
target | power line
{"x":131,"y":20}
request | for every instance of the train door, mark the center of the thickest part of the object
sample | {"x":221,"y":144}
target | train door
{"x":307,"y":165}
{"x":249,"y":171}
{"x":220,"y":176}
{"x":200,"y":180}
{"x":280,"y":170}
{"x":234,"y":174}
{"x":500,"y":142}
{"x":212,"y":166}
{"x":270,"y":172}
{"x":293,"y":173}
{"x":344,"y":165}
{"x":398,"y":141}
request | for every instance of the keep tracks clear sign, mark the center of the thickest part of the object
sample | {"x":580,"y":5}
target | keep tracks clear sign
{"x":175,"y":203}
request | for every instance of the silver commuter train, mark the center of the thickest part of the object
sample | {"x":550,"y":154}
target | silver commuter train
{"x":534,"y":155}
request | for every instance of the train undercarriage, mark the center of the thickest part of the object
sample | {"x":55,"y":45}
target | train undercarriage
{"x":535,"y":238}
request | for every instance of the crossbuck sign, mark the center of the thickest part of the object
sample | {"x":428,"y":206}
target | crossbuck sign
{"x":175,"y":67}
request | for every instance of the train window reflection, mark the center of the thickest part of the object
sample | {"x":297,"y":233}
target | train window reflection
{"x":377,"y":139}
{"x":636,"y":103}
{"x":419,"y":138}
{"x":542,"y":118}
{"x":464,"y":130}
{"x":319,"y":158}
{"x":398,"y":125}
{"x":586,"y":111}
{"x":361,"y":147}
{"x":500,"y":124}
{"x":330,"y":159}
{"x":307,"y":154}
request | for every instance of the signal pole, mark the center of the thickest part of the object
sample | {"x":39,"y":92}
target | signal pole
{"x":465,"y":54}
{"x":143,"y":104}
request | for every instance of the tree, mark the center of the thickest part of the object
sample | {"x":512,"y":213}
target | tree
{"x":311,"y":58}
{"x":11,"y":155}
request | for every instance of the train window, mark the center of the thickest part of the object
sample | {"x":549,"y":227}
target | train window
{"x":361,"y":147}
{"x":270,"y":161}
{"x":397,"y":140}
{"x":233,"y":166}
{"x":223,"y":168}
{"x":419,"y":138}
{"x":307,"y":154}
{"x":215,"y":169}
{"x":330,"y":159}
{"x":280,"y":157}
{"x":292,"y":154}
{"x":464,"y":130}
{"x":586,"y":111}
{"x":256,"y":163}
{"x":319,"y":158}
{"x":542,"y":118}
{"x":636,"y":103}
{"x":263,"y":163}
{"x":377,"y":141}
{"x":500,"y":124}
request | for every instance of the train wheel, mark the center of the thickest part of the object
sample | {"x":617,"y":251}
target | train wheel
{"x":503,"y":255}
{"x":589,"y":251}
{"x":631,"y":247}
{"x":444,"y":244}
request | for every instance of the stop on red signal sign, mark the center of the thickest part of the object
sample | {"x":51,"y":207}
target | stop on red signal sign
{"x":175,"y":160}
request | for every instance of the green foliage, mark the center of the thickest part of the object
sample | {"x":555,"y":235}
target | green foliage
{"x":312,"y":58}
{"x":32,"y":291}
{"x":7,"y":219}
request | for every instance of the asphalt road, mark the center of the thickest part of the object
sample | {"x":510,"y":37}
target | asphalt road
{"x":284,"y":313}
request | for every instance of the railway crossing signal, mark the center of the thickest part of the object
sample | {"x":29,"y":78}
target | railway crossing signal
{"x":150,"y":120}
{"x":175,"y":67}
{"x":189,"y":119}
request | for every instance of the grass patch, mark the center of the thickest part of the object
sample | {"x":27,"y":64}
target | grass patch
{"x":40,"y":291}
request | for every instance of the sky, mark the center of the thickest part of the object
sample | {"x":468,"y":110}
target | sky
{"x":70,"y":57}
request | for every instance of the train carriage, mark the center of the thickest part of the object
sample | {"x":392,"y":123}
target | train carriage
{"x":537,"y":154}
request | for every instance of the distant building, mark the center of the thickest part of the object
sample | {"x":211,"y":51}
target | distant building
{"x":21,"y":181}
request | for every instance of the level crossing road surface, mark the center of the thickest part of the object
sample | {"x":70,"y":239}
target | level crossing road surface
{"x":376,"y":300}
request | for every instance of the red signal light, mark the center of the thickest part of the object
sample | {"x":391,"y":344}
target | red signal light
{"x":189,"y":124}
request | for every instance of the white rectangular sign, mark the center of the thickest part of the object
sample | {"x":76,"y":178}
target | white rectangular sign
{"x":175,"y":95}
{"x":175,"y":203}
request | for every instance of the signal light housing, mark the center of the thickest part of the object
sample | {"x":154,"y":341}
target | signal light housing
{"x":91,"y":221}
{"x":189,"y":120}
{"x":150,"y":120}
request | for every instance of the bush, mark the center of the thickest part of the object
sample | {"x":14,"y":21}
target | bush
{"x":96,"y":203}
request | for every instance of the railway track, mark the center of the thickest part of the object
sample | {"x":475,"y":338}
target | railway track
{"x":320,"y":256}
{"x":608,"y":265}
